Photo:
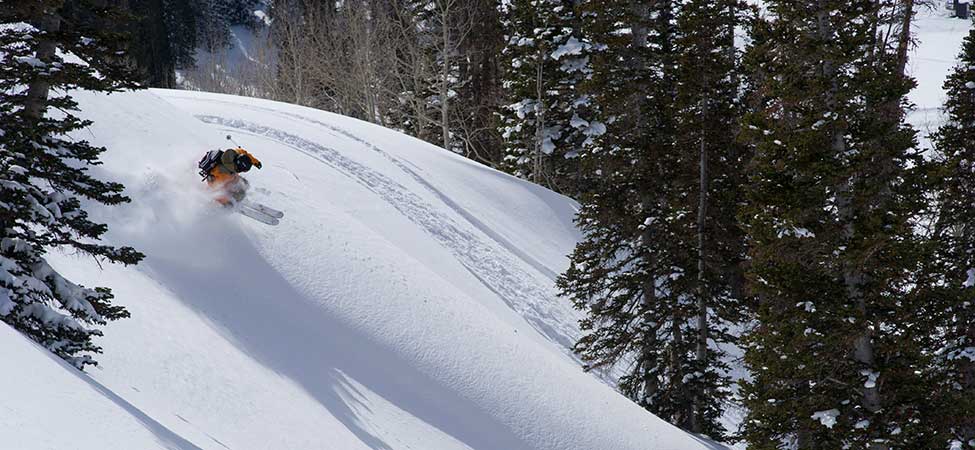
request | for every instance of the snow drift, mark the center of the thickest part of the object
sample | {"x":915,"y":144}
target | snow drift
{"x":405,"y":301}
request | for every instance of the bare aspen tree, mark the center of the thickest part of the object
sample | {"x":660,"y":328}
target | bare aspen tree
{"x":416,"y":70}
{"x":260,"y":75}
{"x":296,"y":23}
{"x":453,"y":20}
{"x":411,"y":65}
{"x":354,"y":59}
{"x":539,"y":156}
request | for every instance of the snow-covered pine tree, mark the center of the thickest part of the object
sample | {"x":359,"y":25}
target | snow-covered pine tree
{"x":836,"y":355}
{"x":955,"y":232}
{"x":545,"y":64}
{"x":663,"y":85}
{"x":44,"y":175}
{"x":622,"y":273}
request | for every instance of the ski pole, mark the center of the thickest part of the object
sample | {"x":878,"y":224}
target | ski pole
{"x":233,"y":141}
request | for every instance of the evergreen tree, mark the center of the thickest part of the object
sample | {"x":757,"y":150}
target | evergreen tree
{"x":955,"y":233}
{"x":622,"y":273}
{"x":836,"y":355}
{"x":656,"y":270}
{"x":167,"y":31}
{"x":44,"y":174}
{"x":708,"y":175}
{"x":545,"y":65}
{"x":213,"y":24}
{"x":241,"y":12}
{"x":180,"y":20}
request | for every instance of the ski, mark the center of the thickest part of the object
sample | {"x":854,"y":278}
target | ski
{"x":262,"y":208}
{"x":258,"y":215}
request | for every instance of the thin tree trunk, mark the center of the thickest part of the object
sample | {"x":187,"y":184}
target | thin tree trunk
{"x":683,"y":418}
{"x":702,"y":298}
{"x":904,"y":40}
{"x":444,"y":74}
{"x":47,"y":21}
{"x":853,"y":276}
{"x":539,"y":117}
{"x":651,"y":385}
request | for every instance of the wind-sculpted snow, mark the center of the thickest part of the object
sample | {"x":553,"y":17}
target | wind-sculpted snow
{"x":405,"y":301}
{"x":531,"y":295}
{"x":41,"y":391}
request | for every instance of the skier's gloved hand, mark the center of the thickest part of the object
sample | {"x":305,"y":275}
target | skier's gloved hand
{"x":257,"y":164}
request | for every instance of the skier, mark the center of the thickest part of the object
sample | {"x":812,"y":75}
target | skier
{"x":222,"y":168}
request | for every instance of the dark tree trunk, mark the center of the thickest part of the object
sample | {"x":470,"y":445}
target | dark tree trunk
{"x":46,"y":19}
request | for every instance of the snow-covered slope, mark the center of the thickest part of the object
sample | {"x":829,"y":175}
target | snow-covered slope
{"x":40,"y":393}
{"x":938,"y":44}
{"x":406,"y":300}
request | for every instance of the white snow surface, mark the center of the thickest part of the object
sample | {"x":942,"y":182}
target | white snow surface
{"x":406,"y":300}
{"x":827,"y":418}
{"x":938,"y":43}
{"x":40,"y":391}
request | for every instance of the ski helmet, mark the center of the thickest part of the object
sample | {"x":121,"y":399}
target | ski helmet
{"x":242,"y":162}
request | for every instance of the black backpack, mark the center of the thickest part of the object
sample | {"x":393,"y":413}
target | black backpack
{"x":209,"y":161}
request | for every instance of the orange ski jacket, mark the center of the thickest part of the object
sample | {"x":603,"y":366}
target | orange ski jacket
{"x":226,"y":171}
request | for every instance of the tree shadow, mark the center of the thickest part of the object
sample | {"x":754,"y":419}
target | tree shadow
{"x":265,"y":317}
{"x":164,"y":435}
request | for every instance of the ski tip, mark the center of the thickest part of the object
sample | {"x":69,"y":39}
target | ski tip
{"x":258,"y":216}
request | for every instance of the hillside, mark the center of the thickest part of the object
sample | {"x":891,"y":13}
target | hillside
{"x":405,"y":301}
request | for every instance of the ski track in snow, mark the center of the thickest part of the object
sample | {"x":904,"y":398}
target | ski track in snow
{"x":531,"y":296}
{"x":430,"y":187}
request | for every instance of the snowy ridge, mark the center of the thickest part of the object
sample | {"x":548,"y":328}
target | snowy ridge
{"x":405,"y":301}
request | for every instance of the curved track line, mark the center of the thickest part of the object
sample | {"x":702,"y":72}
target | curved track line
{"x":490,"y":263}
